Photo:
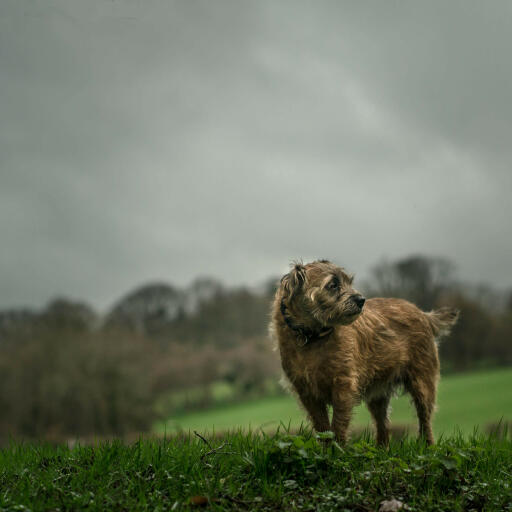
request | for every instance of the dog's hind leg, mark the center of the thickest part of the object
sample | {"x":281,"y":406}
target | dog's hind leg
{"x":379,"y":409}
{"x":423,"y":392}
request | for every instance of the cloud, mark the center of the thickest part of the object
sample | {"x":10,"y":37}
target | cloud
{"x":175,"y":139}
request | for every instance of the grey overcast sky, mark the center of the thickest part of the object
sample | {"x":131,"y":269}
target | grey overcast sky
{"x":150,"y":140}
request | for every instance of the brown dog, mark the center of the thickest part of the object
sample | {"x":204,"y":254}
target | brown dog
{"x":338,"y":348}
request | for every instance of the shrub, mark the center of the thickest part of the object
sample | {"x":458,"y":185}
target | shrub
{"x":62,"y":383}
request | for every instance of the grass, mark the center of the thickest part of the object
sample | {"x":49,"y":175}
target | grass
{"x":245,"y":471}
{"x":464,"y":401}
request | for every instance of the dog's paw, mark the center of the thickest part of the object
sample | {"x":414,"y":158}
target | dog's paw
{"x":325,"y":438}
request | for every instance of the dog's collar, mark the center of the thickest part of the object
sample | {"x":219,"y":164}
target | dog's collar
{"x":308,"y":335}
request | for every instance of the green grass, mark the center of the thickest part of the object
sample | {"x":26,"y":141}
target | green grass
{"x":464,"y":401}
{"x":245,"y":471}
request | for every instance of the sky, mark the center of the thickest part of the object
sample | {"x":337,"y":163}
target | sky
{"x":160,"y":140}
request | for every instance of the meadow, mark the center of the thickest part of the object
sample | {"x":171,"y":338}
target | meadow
{"x":465,"y":401}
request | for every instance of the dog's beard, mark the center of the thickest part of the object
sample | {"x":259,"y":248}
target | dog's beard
{"x":336,"y":313}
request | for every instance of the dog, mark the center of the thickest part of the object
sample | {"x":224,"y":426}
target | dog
{"x":339,"y":349}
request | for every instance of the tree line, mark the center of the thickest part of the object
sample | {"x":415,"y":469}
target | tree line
{"x":66,"y":371}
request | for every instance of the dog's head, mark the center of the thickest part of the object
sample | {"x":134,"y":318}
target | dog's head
{"x":321,"y":293}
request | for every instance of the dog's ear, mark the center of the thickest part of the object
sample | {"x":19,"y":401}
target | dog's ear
{"x":293,"y":281}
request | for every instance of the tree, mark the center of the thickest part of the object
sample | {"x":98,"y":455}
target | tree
{"x":420,"y":279}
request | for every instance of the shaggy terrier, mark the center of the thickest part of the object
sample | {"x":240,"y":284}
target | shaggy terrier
{"x":337,"y":348}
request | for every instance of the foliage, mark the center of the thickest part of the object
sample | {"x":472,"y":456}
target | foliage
{"x":62,"y":382}
{"x":258,"y":472}
{"x":204,"y":313}
{"x":417,"y":278}
{"x":62,"y":376}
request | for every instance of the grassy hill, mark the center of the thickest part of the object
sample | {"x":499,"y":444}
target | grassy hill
{"x":261,"y":473}
{"x":464,"y":401}
{"x":278,"y":471}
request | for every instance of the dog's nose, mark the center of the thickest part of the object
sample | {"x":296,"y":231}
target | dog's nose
{"x":359,"y":300}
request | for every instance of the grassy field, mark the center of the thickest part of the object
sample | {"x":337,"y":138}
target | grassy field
{"x":256,"y":472}
{"x":465,"y":401}
{"x":260,"y":471}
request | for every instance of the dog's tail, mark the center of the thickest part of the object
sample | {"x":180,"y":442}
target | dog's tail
{"x":442,"y":320}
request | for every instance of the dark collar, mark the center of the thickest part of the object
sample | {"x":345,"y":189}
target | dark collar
{"x":308,"y":335}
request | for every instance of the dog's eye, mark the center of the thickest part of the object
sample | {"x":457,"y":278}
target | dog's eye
{"x":333,"y":284}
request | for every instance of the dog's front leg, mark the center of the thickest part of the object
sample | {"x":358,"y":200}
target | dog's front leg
{"x":343,"y":401}
{"x":317,"y":411}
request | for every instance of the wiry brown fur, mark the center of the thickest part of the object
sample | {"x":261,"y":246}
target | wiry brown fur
{"x":388,"y":343}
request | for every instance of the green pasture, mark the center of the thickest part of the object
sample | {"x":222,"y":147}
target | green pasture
{"x":465,"y":401}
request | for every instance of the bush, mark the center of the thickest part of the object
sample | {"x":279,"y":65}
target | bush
{"x":62,"y":383}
